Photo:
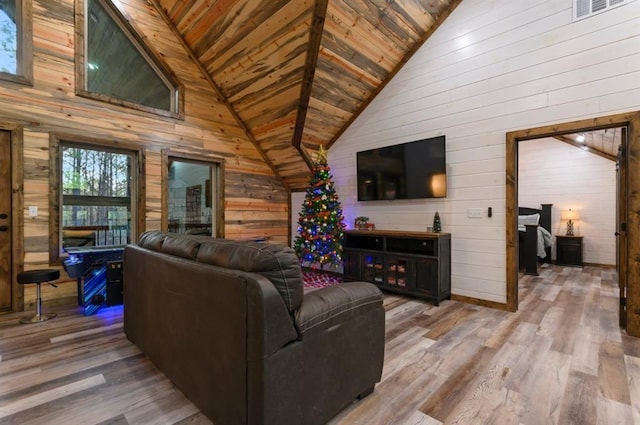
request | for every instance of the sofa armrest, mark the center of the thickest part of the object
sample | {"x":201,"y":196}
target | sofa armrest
{"x":332,"y":305}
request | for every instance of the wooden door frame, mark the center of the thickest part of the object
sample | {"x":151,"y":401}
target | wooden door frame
{"x":621,"y":219}
{"x":17,"y":216}
{"x":629,"y":120}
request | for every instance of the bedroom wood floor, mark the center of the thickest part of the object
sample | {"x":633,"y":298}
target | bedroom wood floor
{"x":560,"y":360}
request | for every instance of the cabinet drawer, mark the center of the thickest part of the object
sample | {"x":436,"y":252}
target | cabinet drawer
{"x":412,"y":246}
{"x":571,"y":243}
{"x":369,"y":243}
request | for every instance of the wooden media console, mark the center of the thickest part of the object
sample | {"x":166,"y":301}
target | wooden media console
{"x":411,"y":263}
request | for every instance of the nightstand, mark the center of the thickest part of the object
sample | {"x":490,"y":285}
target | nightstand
{"x":569,"y":250}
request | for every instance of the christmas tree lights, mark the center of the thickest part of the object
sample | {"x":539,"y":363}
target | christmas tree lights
{"x":320,"y":222}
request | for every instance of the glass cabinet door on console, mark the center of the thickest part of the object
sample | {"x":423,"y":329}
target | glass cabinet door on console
{"x":397,"y":272}
{"x":373,"y":268}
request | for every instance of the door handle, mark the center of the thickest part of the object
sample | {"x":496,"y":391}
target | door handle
{"x":4,"y":228}
{"x":3,"y":216}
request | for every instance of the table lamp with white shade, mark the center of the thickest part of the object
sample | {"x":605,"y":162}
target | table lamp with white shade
{"x":570,"y":216}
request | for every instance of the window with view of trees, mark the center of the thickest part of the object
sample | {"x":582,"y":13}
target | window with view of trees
{"x":96,"y":197}
{"x":118,"y":67}
{"x":8,"y":37}
{"x":15,"y":41}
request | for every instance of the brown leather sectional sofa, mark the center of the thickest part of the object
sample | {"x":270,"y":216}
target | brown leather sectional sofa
{"x":230,"y":324}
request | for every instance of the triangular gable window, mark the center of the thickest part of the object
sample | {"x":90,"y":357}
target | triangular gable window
{"x":117,"y":66}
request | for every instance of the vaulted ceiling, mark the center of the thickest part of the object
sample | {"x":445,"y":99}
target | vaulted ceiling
{"x":604,"y":142}
{"x":296,"y":73}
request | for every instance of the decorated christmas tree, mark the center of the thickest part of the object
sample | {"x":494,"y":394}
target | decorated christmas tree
{"x":320,"y":222}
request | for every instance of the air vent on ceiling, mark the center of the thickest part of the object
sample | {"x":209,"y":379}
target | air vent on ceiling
{"x":585,"y":8}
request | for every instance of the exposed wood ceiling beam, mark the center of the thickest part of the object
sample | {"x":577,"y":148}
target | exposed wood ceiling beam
{"x":219,"y":93}
{"x":315,"y":39}
{"x":396,"y":69}
{"x":585,"y":147}
{"x":295,"y":74}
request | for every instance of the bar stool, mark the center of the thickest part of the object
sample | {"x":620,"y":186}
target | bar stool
{"x":38,"y":276}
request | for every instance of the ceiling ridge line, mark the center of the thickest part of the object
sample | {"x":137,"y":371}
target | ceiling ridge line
{"x":405,"y":58}
{"x":585,"y":147}
{"x":315,"y":40}
{"x":214,"y":86}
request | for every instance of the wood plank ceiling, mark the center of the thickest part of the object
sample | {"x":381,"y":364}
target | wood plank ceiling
{"x":296,"y":73}
{"x":604,"y":143}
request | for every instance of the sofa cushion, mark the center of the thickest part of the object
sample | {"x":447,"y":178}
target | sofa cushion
{"x":278,"y":263}
{"x":333,"y":305}
{"x":180,"y":247}
{"x":152,"y":240}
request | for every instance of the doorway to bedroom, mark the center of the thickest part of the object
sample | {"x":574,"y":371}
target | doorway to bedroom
{"x":577,"y":174}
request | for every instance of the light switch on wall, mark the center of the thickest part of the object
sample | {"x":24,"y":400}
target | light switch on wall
{"x":33,"y":211}
{"x":474,"y":212}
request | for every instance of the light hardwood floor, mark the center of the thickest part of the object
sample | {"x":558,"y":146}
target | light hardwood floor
{"x":561,"y":359}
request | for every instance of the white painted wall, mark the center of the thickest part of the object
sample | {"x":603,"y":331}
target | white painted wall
{"x":553,"y":172}
{"x":494,"y":66}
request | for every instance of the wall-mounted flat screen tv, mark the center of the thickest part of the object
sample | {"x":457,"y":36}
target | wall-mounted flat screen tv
{"x":411,"y":170}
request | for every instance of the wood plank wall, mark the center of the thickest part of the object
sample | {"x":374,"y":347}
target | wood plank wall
{"x":491,"y":68}
{"x":256,"y":202}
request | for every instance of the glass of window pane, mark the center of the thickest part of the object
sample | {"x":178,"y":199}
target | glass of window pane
{"x":96,"y":197}
{"x":118,"y":67}
{"x":190,"y":198}
{"x":9,"y":36}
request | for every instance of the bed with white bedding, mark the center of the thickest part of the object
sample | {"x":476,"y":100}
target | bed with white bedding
{"x":535,"y":238}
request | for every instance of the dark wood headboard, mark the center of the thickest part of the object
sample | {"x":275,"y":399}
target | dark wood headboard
{"x":544,"y":211}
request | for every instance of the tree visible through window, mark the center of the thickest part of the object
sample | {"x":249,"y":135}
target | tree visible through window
{"x":96,"y":197}
{"x":118,"y":66}
{"x":8,"y":37}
